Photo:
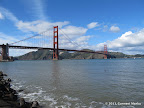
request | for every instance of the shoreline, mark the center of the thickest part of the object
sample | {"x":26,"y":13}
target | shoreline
{"x":9,"y":97}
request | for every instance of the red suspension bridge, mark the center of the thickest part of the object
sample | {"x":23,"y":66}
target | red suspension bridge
{"x":55,"y":47}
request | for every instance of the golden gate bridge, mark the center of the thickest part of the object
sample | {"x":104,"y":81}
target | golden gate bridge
{"x":41,"y":45}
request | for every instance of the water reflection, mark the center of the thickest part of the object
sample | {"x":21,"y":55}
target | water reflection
{"x":56,"y":75}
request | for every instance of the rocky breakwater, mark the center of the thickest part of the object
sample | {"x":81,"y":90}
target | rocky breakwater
{"x":9,"y":97}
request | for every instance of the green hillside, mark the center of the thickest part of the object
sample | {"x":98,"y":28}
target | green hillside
{"x":47,"y":55}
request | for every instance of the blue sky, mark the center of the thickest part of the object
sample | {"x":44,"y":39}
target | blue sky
{"x":90,"y":23}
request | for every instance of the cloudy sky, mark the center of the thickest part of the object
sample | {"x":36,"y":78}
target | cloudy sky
{"x":83,"y":23}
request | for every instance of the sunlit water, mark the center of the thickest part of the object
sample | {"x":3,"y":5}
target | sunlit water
{"x":79,"y":83}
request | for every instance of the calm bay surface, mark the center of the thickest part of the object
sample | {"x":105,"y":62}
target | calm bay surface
{"x":79,"y":83}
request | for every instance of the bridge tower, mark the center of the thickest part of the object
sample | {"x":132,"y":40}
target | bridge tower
{"x":55,"y":43}
{"x":105,"y":52}
{"x":5,"y":52}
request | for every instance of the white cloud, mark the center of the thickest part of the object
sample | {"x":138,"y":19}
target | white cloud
{"x":130,"y":43}
{"x":8,"y":15}
{"x":73,"y":31}
{"x":67,"y":33}
{"x":77,"y":43}
{"x":72,"y":37}
{"x":105,"y":28}
{"x":6,"y":39}
{"x":1,"y":16}
{"x":114,"y":29}
{"x":83,"y":38}
{"x":92,"y":25}
{"x":83,"y":42}
{"x":128,"y":39}
{"x":38,"y":9}
{"x":38,"y":26}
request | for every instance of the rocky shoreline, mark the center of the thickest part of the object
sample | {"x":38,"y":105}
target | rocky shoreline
{"x":9,"y":97}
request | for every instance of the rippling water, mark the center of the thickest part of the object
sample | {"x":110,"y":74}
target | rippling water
{"x":79,"y":83}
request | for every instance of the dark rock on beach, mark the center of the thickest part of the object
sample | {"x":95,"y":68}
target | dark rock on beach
{"x":9,"y":97}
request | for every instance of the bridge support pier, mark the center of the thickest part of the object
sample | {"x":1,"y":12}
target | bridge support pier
{"x":5,"y":52}
{"x":105,"y":52}
{"x":105,"y":56}
{"x":55,"y":44}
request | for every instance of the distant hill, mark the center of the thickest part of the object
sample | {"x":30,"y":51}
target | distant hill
{"x":122,"y":55}
{"x":47,"y":55}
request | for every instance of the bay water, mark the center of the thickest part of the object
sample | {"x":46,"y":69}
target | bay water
{"x":79,"y":83}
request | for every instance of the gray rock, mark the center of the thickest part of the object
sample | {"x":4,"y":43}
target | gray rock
{"x":1,"y":73}
{"x":22,"y":103}
{"x":9,"y":96}
{"x":35,"y":104}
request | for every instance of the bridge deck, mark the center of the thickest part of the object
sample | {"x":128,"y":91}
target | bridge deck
{"x":27,"y":47}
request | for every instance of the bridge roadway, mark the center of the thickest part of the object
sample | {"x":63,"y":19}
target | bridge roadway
{"x":27,"y":47}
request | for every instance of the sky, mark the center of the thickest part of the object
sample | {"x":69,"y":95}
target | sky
{"x":88,"y":23}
